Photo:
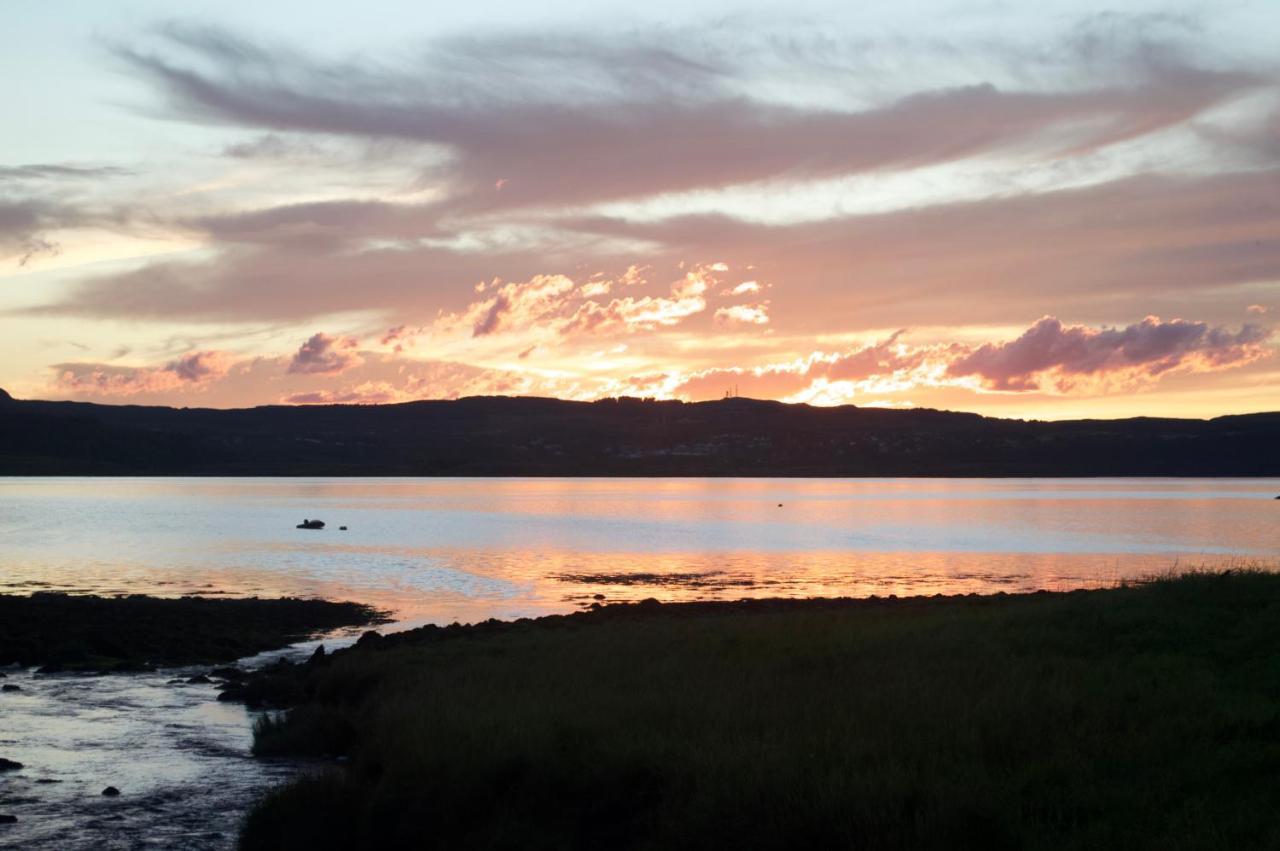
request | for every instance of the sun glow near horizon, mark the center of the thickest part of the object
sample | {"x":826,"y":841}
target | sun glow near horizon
{"x":1014,"y":218}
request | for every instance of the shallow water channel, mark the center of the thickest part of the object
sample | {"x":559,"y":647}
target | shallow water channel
{"x":179,"y":758}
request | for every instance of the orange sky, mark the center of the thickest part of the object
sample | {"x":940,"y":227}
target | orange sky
{"x":1032,"y":221}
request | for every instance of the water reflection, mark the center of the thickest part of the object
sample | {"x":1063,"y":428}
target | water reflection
{"x":469,"y":549}
{"x":466,"y":549}
{"x":180,"y":759}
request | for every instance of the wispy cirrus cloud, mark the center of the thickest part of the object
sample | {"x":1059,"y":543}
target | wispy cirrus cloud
{"x":60,"y":171}
{"x":558,"y":120}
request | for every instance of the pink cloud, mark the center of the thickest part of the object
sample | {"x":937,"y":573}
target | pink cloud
{"x":324,"y":354}
{"x":557,"y":301}
{"x":885,"y":359}
{"x":1050,"y":354}
{"x":743,"y":314}
{"x":368,"y":393}
{"x":191,"y":371}
{"x":200,"y":366}
{"x":646,"y":313}
{"x":517,"y":306}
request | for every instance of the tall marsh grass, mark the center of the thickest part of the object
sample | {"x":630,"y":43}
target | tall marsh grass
{"x":1141,"y":716}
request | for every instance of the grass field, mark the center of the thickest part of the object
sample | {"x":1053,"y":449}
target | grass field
{"x":1145,"y":716}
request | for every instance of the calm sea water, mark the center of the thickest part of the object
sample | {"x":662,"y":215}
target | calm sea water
{"x":468,"y":549}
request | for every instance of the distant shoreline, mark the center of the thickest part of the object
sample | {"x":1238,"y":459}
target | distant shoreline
{"x":487,"y":437}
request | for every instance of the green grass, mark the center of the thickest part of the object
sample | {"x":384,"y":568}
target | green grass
{"x":1143,"y":716}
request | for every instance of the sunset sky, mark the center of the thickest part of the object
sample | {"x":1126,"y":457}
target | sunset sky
{"x":1032,"y":210}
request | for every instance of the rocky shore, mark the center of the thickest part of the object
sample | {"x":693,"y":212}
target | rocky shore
{"x":66,"y":632}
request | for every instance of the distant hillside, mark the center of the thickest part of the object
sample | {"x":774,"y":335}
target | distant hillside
{"x":486,"y":436}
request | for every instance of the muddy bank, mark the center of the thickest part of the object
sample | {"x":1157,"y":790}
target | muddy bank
{"x":86,"y":633}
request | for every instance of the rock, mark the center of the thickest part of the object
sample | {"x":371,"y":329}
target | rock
{"x":4,"y":819}
{"x":317,"y":657}
{"x":198,"y":679}
{"x":43,"y":781}
{"x":4,"y":676}
{"x":344,"y":528}
{"x":176,"y":682}
{"x":311,"y":524}
{"x":10,"y":687}
{"x":228,"y":673}
{"x":9,"y":765}
{"x":597,"y":596}
{"x":111,"y":792}
{"x":369,"y":638}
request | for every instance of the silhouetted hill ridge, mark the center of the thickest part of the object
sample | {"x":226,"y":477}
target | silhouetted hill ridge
{"x":499,"y":435}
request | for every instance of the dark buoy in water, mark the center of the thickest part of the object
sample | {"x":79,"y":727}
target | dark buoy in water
{"x":779,"y":505}
{"x":111,"y":792}
{"x":342,"y":528}
{"x":311,"y":524}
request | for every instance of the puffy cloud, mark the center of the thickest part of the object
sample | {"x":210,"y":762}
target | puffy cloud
{"x":881,"y":363}
{"x":1050,"y":354}
{"x":519,"y":305}
{"x":394,"y":335}
{"x":324,"y":354}
{"x":745,"y":314}
{"x":190,"y":372}
{"x":1048,"y":357}
{"x":555,"y":301}
{"x":200,"y":366}
{"x":368,"y":393}
{"x":646,"y":313}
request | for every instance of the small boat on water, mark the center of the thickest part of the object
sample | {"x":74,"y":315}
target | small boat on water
{"x":311,"y":524}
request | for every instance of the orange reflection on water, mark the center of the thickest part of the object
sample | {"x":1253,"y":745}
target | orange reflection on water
{"x":469,"y":549}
